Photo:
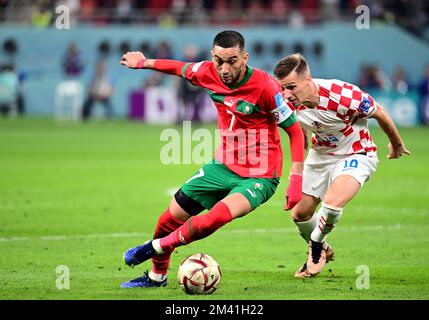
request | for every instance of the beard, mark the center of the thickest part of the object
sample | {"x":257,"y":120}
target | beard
{"x":232,"y":79}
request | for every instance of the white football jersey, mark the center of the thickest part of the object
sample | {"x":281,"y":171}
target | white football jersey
{"x":339,"y":123}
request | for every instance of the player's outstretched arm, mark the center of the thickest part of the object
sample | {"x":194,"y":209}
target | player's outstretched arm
{"x":396,"y":146}
{"x":294,"y":191}
{"x":137,"y":60}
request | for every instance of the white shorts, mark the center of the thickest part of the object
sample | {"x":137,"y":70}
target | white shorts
{"x":321,"y":169}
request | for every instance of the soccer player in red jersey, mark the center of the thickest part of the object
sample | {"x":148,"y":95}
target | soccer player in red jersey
{"x":343,"y":155}
{"x":247,"y":165}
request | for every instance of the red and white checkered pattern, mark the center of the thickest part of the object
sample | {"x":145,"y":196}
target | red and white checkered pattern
{"x":339,"y":123}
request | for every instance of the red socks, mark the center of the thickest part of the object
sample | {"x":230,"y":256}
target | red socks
{"x":167,"y":223}
{"x":197,"y":227}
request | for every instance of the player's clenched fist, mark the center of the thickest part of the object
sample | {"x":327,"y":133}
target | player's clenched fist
{"x":133,"y":59}
{"x":396,"y":151}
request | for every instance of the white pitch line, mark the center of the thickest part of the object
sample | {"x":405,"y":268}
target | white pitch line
{"x":280,"y":204}
{"x":393,"y":227}
{"x":144,"y":235}
{"x":77,"y":237}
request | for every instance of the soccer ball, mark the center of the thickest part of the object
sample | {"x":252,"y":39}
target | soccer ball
{"x":199,"y":274}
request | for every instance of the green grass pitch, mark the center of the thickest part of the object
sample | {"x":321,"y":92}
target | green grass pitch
{"x":80,"y":194}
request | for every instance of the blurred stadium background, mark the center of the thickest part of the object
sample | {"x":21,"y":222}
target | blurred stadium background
{"x":55,"y":66}
{"x":77,"y":193}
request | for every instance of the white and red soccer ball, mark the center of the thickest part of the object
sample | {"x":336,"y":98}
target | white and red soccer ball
{"x":199,"y":274}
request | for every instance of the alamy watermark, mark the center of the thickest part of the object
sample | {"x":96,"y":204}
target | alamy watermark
{"x":235,"y":147}
{"x":363,"y":280}
{"x":363,"y":21}
{"x":62,"y":281}
{"x":62,"y":22}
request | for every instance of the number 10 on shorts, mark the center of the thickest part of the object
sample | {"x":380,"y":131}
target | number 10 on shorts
{"x":350,"y":164}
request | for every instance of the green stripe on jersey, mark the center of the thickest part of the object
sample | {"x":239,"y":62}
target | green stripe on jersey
{"x":288,"y":122}
{"x":215,"y":96}
{"x":184,"y":69}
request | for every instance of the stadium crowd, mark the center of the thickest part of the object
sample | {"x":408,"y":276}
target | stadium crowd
{"x":411,"y":14}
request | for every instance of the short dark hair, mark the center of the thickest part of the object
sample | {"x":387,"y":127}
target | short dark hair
{"x":294,"y":62}
{"x":229,"y":39}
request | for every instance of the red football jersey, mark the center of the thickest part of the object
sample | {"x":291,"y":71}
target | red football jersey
{"x":248,"y":115}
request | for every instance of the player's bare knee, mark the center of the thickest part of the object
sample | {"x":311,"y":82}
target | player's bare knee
{"x":239,"y":214}
{"x":299,"y":215}
{"x":238,"y":211}
{"x":238,"y":205}
{"x":294,"y":215}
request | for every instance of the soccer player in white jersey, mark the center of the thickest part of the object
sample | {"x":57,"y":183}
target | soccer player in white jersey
{"x":343,"y":155}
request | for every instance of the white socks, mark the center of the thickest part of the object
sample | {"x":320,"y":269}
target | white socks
{"x":305,"y":228}
{"x":156,"y":276}
{"x":157,"y":246}
{"x":152,"y":275}
{"x":328,"y":216}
